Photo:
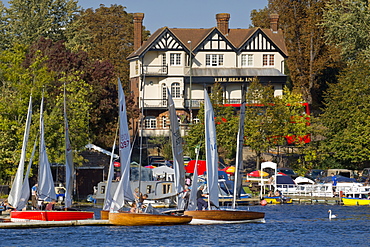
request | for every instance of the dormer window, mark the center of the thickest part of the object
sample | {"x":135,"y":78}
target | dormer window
{"x":175,"y":59}
{"x":214,"y":60}
{"x":268,"y":60}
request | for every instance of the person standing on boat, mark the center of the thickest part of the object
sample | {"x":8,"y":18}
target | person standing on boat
{"x":334,"y":183}
{"x":34,"y":197}
{"x":186,"y":196}
{"x":138,"y":198}
{"x":201,"y":203}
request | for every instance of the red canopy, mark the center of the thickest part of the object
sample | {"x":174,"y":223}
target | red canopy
{"x":201,"y":167}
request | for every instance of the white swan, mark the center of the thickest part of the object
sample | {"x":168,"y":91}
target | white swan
{"x":331,"y":216}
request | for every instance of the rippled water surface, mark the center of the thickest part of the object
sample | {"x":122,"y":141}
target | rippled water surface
{"x":286,"y":225}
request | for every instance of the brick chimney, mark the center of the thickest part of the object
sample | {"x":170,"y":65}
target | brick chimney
{"x":223,"y":22}
{"x":138,"y":29}
{"x":274,"y":21}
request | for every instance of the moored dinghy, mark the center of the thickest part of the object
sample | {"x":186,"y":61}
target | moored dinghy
{"x":124,"y":192}
{"x":220,"y":216}
{"x":46,"y":190}
{"x":353,"y":201}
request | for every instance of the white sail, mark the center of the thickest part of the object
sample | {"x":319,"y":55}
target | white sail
{"x":15,"y":192}
{"x":25,"y":192}
{"x":46,"y":190}
{"x":239,"y":156}
{"x":194,"y":185}
{"x":211,"y":151}
{"x":108,"y":196}
{"x":123,"y":191}
{"x":177,"y":151}
{"x":68,"y":160}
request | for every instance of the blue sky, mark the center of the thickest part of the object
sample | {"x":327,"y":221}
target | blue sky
{"x":185,"y":13}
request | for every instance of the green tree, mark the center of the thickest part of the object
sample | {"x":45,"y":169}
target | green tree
{"x":27,"y":21}
{"x":347,"y":117}
{"x":347,"y":26}
{"x":309,"y":56}
{"x":111,"y":36}
{"x":17,"y":83}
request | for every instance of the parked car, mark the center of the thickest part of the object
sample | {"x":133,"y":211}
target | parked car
{"x":288,"y":171}
{"x":153,"y":159}
{"x":315,"y":174}
{"x":365,"y":175}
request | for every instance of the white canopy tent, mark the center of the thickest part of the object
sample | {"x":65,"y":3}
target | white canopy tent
{"x":164,"y":172}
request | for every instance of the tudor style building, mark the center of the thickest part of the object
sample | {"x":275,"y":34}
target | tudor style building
{"x":187,"y":60}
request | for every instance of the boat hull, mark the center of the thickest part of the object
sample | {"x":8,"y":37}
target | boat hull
{"x":144,"y":219}
{"x":355,"y":201}
{"x":36,"y":215}
{"x":225,"y":216}
{"x":278,"y":200}
{"x":104,"y":214}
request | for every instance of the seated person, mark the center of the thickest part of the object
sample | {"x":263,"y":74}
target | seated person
{"x":135,"y":209}
{"x":277,"y":193}
{"x":7,"y":206}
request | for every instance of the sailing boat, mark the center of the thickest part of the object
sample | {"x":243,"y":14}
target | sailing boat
{"x":46,"y":191}
{"x":124,"y":193}
{"x":17,"y":190}
{"x":217,"y":216}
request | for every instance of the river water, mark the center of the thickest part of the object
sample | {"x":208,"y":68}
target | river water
{"x":286,"y":225}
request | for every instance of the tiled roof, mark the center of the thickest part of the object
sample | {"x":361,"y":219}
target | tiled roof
{"x":237,"y":37}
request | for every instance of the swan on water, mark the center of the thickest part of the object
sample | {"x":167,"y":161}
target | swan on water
{"x":331,"y":216}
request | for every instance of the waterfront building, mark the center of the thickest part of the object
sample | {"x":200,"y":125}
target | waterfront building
{"x":188,"y":60}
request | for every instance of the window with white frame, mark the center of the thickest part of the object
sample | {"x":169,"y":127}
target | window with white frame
{"x":164,"y":94}
{"x":164,"y":62}
{"x":150,"y":122}
{"x":268,"y":60}
{"x":175,"y":90}
{"x":164,"y":122}
{"x":214,"y":59}
{"x":175,"y":59}
{"x":247,"y":60}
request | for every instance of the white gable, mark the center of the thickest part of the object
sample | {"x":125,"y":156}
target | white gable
{"x":216,"y":42}
{"x":259,"y":42}
{"x":166,"y":42}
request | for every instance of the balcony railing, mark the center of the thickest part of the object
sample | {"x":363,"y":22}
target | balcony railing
{"x":155,"y":69}
{"x":195,"y":103}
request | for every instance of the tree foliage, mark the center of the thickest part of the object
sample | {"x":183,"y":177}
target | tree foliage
{"x":347,"y":117}
{"x":27,"y":21}
{"x":309,"y":55}
{"x":110,"y":31}
{"x":348,"y":27}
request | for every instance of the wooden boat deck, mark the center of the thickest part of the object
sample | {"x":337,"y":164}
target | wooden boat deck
{"x":144,"y":219}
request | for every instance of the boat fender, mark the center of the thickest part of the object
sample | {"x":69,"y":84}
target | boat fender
{"x":263,"y":202}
